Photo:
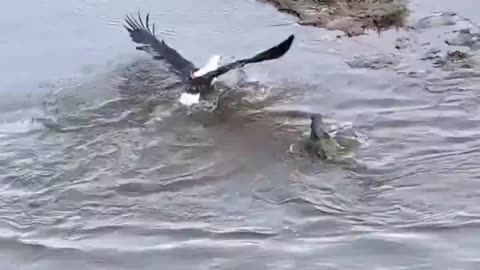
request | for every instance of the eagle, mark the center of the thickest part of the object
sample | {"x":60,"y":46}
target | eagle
{"x":198,"y":81}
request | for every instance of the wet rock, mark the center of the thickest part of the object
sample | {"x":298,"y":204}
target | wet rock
{"x":435,"y":34}
{"x":455,"y":59}
{"x":456,"y":56}
{"x":465,"y":38}
{"x":443,"y":19}
{"x":451,"y":58}
{"x":402,"y":43}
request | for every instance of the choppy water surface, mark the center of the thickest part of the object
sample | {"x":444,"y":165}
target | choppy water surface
{"x":114,"y":177}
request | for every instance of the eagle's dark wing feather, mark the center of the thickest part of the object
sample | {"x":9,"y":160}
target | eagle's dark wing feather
{"x":273,"y":53}
{"x":144,"y":33}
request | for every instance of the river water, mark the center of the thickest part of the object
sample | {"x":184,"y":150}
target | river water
{"x":107,"y":182}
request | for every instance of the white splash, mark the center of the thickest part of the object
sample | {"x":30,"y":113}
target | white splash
{"x":189,"y":99}
{"x":212,"y":64}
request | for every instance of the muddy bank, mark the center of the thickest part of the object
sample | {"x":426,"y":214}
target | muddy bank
{"x":350,"y":16}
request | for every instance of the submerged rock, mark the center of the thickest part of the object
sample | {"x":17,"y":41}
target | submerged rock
{"x":402,"y":43}
{"x":465,"y":38}
{"x":455,"y":59}
{"x":452,"y":58}
{"x":374,"y":62}
{"x":437,"y":20}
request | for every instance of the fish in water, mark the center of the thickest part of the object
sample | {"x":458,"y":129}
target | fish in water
{"x":198,"y":82}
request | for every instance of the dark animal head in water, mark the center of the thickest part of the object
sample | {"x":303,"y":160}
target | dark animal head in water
{"x":144,"y":33}
{"x":320,"y":142}
{"x":316,"y":132}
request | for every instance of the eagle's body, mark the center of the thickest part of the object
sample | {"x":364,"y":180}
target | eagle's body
{"x":197,"y":81}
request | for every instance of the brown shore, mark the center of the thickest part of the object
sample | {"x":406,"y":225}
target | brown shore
{"x":353,"y":17}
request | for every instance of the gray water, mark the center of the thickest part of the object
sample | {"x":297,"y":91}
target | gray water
{"x":119,"y":184}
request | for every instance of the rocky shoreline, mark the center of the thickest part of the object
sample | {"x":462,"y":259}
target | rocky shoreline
{"x":438,"y":52}
{"x":353,"y":17}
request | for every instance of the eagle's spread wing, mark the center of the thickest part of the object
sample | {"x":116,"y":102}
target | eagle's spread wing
{"x":273,"y":53}
{"x":144,"y":33}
